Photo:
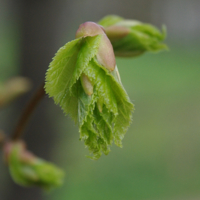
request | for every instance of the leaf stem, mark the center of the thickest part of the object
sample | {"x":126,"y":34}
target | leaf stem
{"x":32,"y":104}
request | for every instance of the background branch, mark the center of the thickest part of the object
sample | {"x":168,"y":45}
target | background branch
{"x":32,"y":104}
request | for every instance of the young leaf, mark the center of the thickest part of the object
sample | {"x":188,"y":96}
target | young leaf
{"x":84,"y":80}
{"x":131,"y":38}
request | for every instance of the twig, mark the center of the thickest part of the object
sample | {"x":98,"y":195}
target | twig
{"x":32,"y":104}
{"x":2,"y":138}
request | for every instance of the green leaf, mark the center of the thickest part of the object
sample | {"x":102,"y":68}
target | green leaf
{"x":65,"y":69}
{"x":103,"y":116}
{"x":132,"y":38}
{"x":117,"y":109}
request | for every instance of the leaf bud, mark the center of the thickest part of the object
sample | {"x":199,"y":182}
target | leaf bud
{"x":115,"y":33}
{"x":131,"y":38}
{"x":89,"y":29}
{"x":87,"y":85}
{"x":83,"y":79}
{"x":28,"y":170}
{"x":105,"y":54}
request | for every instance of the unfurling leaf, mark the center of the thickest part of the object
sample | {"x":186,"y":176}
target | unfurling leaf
{"x":84,"y":80}
{"x":132,"y":38}
{"x":28,"y":170}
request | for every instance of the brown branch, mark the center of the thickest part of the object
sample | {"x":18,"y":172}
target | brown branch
{"x":2,"y":138}
{"x":32,"y":104}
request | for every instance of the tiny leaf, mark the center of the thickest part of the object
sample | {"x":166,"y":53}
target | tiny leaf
{"x":132,"y":38}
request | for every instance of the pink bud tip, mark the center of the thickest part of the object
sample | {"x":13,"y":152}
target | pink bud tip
{"x":89,"y":29}
{"x":105,"y":55}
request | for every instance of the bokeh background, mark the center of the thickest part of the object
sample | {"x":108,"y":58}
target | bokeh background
{"x":160,"y":159}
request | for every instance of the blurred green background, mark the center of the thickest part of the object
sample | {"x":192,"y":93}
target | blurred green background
{"x":160,"y":158}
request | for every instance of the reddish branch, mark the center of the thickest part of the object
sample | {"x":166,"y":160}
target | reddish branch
{"x":32,"y":104}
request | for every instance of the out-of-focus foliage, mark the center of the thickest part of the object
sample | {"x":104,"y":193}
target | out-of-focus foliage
{"x":13,"y":88}
{"x":29,"y":170}
{"x":160,"y":155}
